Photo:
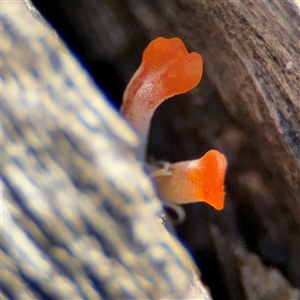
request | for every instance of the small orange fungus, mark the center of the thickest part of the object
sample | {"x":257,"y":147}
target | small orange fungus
{"x":195,"y":180}
{"x":167,"y":69}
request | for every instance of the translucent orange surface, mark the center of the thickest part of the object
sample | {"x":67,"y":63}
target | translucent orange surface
{"x":196,"y":180}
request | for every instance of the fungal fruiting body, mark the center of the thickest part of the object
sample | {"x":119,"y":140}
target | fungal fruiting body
{"x":195,"y":180}
{"x":167,"y":69}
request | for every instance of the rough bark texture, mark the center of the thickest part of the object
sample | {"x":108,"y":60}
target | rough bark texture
{"x":79,"y":216}
{"x":247,"y":106}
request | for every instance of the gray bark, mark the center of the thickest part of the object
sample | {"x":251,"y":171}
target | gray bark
{"x":79,"y":219}
{"x":247,"y":106}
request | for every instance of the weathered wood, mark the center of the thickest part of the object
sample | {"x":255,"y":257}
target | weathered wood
{"x":251,"y":50}
{"x":79,"y":217}
{"x":246,"y":106}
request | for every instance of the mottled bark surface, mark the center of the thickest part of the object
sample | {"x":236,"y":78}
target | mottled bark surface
{"x":79,"y":216}
{"x":247,"y":106}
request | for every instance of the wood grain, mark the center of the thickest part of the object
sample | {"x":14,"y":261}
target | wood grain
{"x":247,"y":105}
{"x":251,"y":52}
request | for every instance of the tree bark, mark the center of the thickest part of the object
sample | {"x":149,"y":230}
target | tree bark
{"x":247,"y":106}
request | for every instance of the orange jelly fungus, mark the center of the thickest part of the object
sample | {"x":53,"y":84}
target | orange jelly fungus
{"x":195,"y":180}
{"x":167,"y":69}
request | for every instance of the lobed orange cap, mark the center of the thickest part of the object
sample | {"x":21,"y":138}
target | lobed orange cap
{"x":167,"y":69}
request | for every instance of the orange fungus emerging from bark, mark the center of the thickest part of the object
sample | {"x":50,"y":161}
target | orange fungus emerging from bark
{"x":195,"y":180}
{"x":168,"y":69}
